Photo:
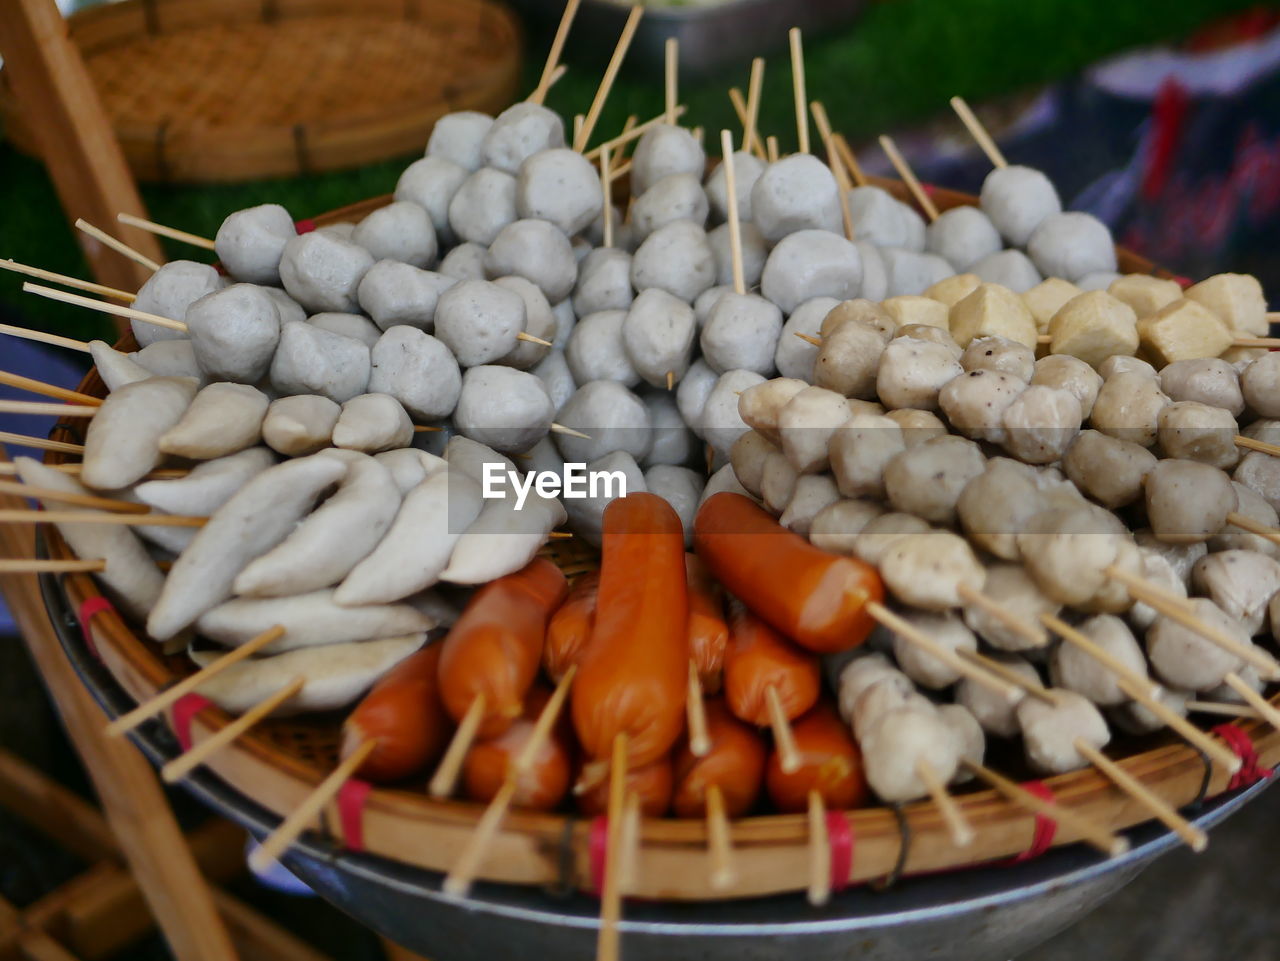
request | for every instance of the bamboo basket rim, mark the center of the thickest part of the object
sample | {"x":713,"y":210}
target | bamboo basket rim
{"x":229,"y":90}
{"x":410,"y":827}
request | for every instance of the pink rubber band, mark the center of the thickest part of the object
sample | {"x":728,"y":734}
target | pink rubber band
{"x":1046,"y":827}
{"x":92,"y":607}
{"x":598,"y":852}
{"x":304,"y":226}
{"x":351,"y":800}
{"x":840,"y":838}
{"x":184,"y":710}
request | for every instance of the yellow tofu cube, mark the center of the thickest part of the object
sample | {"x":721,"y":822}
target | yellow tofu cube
{"x":993,"y":311}
{"x":1094,"y":326}
{"x":951,"y":290}
{"x":1047,"y":297}
{"x":1184,"y":330}
{"x":1238,"y":301}
{"x":1144,"y":293}
{"x":917,"y":310}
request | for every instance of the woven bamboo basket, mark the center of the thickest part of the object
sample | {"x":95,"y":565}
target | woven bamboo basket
{"x":228,"y":90}
{"x":279,"y":762}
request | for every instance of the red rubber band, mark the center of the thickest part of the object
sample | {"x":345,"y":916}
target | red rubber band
{"x":351,"y":800}
{"x":304,"y":226}
{"x":184,"y":709}
{"x":1251,"y":772}
{"x":1183,"y":282}
{"x":840,"y":837}
{"x":88,"y":610}
{"x":1046,"y":827}
{"x":598,"y":852}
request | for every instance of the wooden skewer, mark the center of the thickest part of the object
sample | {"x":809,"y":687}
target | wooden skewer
{"x":1268,"y":342}
{"x":978,"y":132}
{"x":446,"y":777}
{"x":837,"y":168}
{"x":78,"y":517}
{"x":22,"y":566}
{"x":167,"y":473}
{"x":183,"y":765}
{"x":959,"y":826}
{"x":630,"y":842}
{"x":76,"y":282}
{"x":561,"y":429}
{"x":40,"y":443}
{"x":22,"y":333}
{"x":671,"y":77}
{"x":119,"y":246}
{"x":529,"y":338}
{"x":67,"y":497}
{"x":635,"y":133}
{"x":740,"y":109}
{"x":611,"y":893}
{"x":98,"y":305}
{"x":195,"y":240}
{"x":606,"y":188}
{"x":1175,"y":609}
{"x":1195,"y":838}
{"x":671,"y":380}
{"x":553,"y":55}
{"x":1245,"y":522}
{"x":719,"y":841}
{"x":606,"y":83}
{"x":1224,"y":710}
{"x":913,"y":635}
{"x":1141,"y":690}
{"x":755,"y":86}
{"x":819,"y":851}
{"x":293,"y":826}
{"x":1251,"y":444}
{"x":1028,"y":630}
{"x":771,"y":149}
{"x":31,"y":385}
{"x":850,"y":161}
{"x":1005,"y":672}
{"x":43,"y":409}
{"x":809,"y":338}
{"x":1105,"y":841}
{"x":154,"y":705}
{"x":528,"y":755}
{"x":696,"y":713}
{"x":731,"y":202}
{"x":426,"y":429}
{"x":908,"y":177}
{"x":578,"y":121}
{"x":1264,"y":708}
{"x":784,"y":739}
{"x":798,"y":88}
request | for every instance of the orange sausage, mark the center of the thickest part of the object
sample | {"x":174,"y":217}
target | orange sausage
{"x":708,"y":632}
{"x":404,"y":715}
{"x":830,"y":763}
{"x":634,"y":671}
{"x":758,"y":658}
{"x":545,"y":784}
{"x":570,"y":626}
{"x":817,"y":598}
{"x":735,"y":764}
{"x":496,"y":646}
{"x":652,"y":783}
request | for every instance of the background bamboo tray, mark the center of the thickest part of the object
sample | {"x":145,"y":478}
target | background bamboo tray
{"x":279,"y":762}
{"x":226,"y":90}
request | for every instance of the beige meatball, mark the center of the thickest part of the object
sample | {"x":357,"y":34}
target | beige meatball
{"x":1067,"y":550}
{"x":912,"y":372}
{"x":975,"y":403}
{"x":1136,"y":718}
{"x":1113,"y":596}
{"x":777,"y":482}
{"x":899,"y":745}
{"x":1185,"y":659}
{"x":1071,"y":374}
{"x":948,"y":632}
{"x":995,"y":712}
{"x":970,"y":741}
{"x":760,"y":405}
{"x":1207,"y":380}
{"x":837,"y":526}
{"x":1000,"y":354}
{"x":887,"y":694}
{"x":1012,"y":588}
{"x":1049,"y":731}
{"x":935,"y":335}
{"x":1241,"y":583}
{"x":859,"y":451}
{"x":926,"y":480}
{"x":1260,"y":384}
{"x":1128,"y":407}
{"x":932,"y":570}
{"x":1188,"y":501}
{"x":1261,"y":474}
{"x":748,"y":455}
{"x":1158,"y":571}
{"x":849,"y":360}
{"x":857,"y":676}
{"x":806,"y":425}
{"x":1182,"y":557}
{"x":1075,"y":669}
{"x":1253,"y":506}
{"x":996,"y":505}
{"x":861,"y":310}
{"x":882,"y":532}
{"x":1040,"y":424}
{"x":1194,"y":431}
{"x":1108,"y":469}
{"x":918,"y":426}
{"x":813,"y":492}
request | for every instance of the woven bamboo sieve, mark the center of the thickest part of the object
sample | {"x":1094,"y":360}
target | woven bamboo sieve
{"x":279,"y":762}
{"x":227,"y":90}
